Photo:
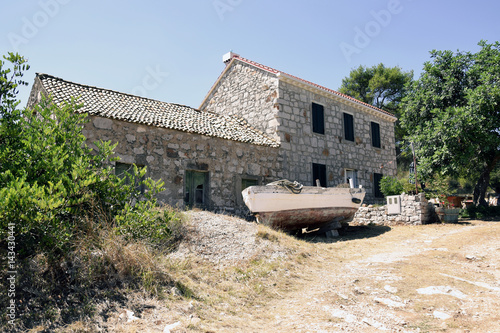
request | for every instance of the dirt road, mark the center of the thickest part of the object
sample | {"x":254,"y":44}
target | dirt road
{"x":434,"y":278}
{"x":430,"y":278}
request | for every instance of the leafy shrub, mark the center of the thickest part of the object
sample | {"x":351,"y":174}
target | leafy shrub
{"x":79,"y":228}
{"x":481,"y":212}
{"x":161,"y":228}
{"x":391,"y":186}
{"x":50,"y":180}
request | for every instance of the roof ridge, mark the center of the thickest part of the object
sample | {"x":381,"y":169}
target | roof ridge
{"x":278,"y":72}
{"x":114,"y":91}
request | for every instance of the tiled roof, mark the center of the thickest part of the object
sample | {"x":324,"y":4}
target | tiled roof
{"x":331,"y":91}
{"x":135,"y":109}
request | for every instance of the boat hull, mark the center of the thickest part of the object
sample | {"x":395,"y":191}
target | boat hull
{"x":313,"y":208}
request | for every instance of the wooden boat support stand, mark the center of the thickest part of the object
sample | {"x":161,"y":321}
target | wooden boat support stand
{"x":292,"y":207}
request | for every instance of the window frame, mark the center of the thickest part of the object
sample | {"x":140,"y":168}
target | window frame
{"x":375,"y":135}
{"x":318,"y":118}
{"x":239,"y":183}
{"x":377,"y":177}
{"x":348,"y":129}
{"x":190,"y":201}
{"x":355,"y":176}
{"x":321,"y":169}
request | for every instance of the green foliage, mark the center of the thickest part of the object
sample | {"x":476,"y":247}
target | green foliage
{"x":50,"y":179}
{"x":48,"y":188}
{"x":495,"y":179}
{"x":75,"y":222}
{"x":391,"y":186}
{"x":451,"y":114}
{"x":439,"y":187}
{"x":482,"y":213}
{"x":10,"y":79}
{"x":396,"y":185}
{"x":45,"y":185}
{"x":380,"y":86}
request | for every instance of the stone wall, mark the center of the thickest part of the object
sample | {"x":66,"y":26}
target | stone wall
{"x":247,"y":92}
{"x":300,"y":146}
{"x":168,"y":154}
{"x":284,"y":110}
{"x":415,"y":210}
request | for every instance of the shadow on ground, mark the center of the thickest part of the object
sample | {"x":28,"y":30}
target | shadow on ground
{"x":346,"y":234}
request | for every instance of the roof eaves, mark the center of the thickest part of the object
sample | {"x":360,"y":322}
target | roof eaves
{"x":214,"y":86}
{"x":248,"y":134}
{"x":304,"y":83}
{"x":344,"y":98}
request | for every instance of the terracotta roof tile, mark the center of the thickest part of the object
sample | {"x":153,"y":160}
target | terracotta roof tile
{"x":135,"y":109}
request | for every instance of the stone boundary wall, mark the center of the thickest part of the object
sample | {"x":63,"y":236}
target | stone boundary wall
{"x":415,"y":210}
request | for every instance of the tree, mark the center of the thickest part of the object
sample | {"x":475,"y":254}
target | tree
{"x":452,"y":114}
{"x":10,"y":79}
{"x":380,"y":86}
{"x":51,"y":181}
{"x":11,"y":73}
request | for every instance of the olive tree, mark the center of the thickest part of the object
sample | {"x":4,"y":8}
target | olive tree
{"x":452,"y":114}
{"x":380,"y":86}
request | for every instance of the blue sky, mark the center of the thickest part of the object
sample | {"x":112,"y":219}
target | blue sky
{"x":172,"y":50}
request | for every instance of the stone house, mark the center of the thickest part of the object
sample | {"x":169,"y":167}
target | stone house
{"x":322,"y":134}
{"x":205,"y":159}
{"x":256,"y":125}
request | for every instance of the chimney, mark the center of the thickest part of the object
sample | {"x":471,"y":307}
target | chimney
{"x":228,"y":56}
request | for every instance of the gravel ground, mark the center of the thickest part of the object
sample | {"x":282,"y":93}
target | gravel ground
{"x":370,"y":291}
{"x":224,"y":239}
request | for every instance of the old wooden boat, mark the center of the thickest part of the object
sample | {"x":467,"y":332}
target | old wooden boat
{"x":306,"y":207}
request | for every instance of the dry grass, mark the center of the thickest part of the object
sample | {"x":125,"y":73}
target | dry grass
{"x":260,"y":293}
{"x":407,"y":258}
{"x":446,"y":264}
{"x":291,"y":292}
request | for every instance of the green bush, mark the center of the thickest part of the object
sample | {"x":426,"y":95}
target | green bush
{"x":50,"y":181}
{"x":391,"y":186}
{"x":74,"y":230}
{"x":482,"y":212}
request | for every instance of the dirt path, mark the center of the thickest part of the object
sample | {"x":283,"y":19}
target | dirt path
{"x":430,"y":278}
{"x":377,"y":284}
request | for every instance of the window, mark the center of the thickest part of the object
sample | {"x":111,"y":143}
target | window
{"x":242,"y":183}
{"x":351,"y":174}
{"x":375,"y":135}
{"x":377,"y":177}
{"x":319,"y":172}
{"x":124,"y":170}
{"x":348,"y":126}
{"x":196,"y":188}
{"x":245,"y":182}
{"x":318,"y":118}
